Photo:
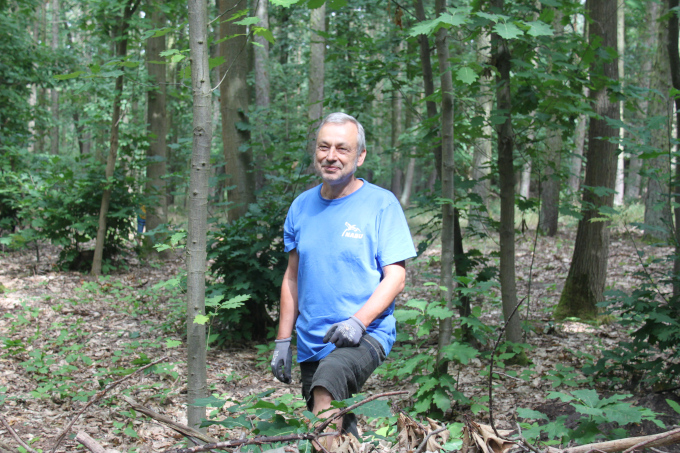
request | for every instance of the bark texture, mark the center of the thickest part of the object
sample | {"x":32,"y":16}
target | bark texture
{"x":262,"y":91}
{"x":506,"y":179}
{"x":54,"y":94}
{"x":550,"y":185}
{"x":620,"y":50}
{"x":157,"y":128}
{"x":316,"y":74}
{"x":674,"y":55}
{"x":448,"y":188}
{"x":657,"y":202}
{"x":585,"y":282}
{"x":198,"y":212}
{"x":234,"y":107}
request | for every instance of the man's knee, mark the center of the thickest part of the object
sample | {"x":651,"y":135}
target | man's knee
{"x":322,"y":399}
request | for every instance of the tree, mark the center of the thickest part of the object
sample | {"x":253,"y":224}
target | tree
{"x":157,"y":127}
{"x":54,"y":94}
{"x":316,"y":74}
{"x":234,"y":99}
{"x":506,"y":182}
{"x":122,"y":30}
{"x":198,"y":215}
{"x":584,"y":285}
{"x":448,"y":189}
{"x":674,"y":55}
{"x":262,"y":57}
{"x":657,"y":204}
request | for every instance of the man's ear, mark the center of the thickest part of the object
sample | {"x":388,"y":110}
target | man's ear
{"x":361,"y":157}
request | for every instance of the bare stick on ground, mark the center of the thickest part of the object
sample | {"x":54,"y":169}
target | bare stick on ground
{"x":99,"y":396}
{"x":15,"y":435}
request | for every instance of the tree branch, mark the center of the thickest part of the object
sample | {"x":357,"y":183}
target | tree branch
{"x":15,"y":435}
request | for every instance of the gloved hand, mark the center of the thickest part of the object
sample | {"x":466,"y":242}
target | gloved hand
{"x":345,"y":333}
{"x":282,"y":359}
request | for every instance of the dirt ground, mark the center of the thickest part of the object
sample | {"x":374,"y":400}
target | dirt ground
{"x":115,"y":322}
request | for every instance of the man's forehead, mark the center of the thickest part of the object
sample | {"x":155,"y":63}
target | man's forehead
{"x":348,"y":128}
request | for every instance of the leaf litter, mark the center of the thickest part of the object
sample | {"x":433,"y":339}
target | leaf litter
{"x":112,"y":327}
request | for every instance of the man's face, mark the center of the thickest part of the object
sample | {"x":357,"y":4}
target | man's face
{"x":337,"y":157}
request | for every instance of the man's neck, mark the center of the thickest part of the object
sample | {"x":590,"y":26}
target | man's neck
{"x":333,"y":192}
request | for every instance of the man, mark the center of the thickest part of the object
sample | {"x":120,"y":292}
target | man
{"x":347,"y":242}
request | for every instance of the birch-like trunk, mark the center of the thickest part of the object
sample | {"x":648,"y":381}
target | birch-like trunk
{"x":198,"y":211}
{"x":620,"y":50}
{"x":674,"y":56}
{"x":54,"y":94}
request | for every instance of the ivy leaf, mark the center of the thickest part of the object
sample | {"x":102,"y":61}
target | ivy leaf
{"x":507,"y":30}
{"x":466,"y":75}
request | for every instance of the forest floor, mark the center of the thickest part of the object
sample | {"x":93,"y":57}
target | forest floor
{"x":65,"y":332}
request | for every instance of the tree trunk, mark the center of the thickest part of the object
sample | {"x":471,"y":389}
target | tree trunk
{"x":121,"y":51}
{"x":481,"y":158}
{"x":657,"y":203}
{"x":157,"y":153}
{"x":585,"y":282}
{"x":405,"y":198}
{"x":234,"y":106}
{"x":397,"y":182}
{"x":54,"y":94}
{"x":428,"y":80}
{"x":262,"y":95}
{"x":198,"y":213}
{"x":634,"y":181}
{"x":525,"y":179}
{"x":620,"y":50}
{"x":506,"y":176}
{"x":316,"y":75}
{"x":579,"y":146}
{"x":448,"y":189}
{"x":550,"y":185}
{"x":674,"y":57}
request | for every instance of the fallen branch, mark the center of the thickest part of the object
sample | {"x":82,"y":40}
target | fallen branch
{"x":423,"y":444}
{"x":311,"y":436}
{"x":15,"y":435}
{"x":627,"y":445}
{"x":337,"y":415}
{"x":91,"y":444}
{"x":99,"y":396}
{"x":170,"y":423}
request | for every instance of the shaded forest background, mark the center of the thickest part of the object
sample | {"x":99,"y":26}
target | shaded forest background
{"x":485,"y":119}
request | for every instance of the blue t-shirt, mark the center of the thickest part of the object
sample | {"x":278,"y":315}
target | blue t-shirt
{"x":343,"y":245}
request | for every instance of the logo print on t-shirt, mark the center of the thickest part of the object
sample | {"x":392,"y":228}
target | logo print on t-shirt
{"x":352,"y":232}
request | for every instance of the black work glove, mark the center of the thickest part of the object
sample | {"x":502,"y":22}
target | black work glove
{"x":345,"y":333}
{"x":282,"y":360}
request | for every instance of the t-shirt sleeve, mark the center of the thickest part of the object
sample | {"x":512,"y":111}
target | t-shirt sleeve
{"x":289,"y":241}
{"x":394,"y":237}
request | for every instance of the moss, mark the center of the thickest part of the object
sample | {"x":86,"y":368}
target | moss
{"x":578,"y":300}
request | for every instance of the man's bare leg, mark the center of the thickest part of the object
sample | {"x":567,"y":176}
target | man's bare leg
{"x":322,"y":407}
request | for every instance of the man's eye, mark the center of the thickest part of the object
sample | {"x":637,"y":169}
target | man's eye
{"x":323,"y":148}
{"x":343,"y":150}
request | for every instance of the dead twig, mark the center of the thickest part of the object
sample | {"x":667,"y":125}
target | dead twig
{"x":170,"y":423}
{"x":423,"y":444}
{"x":337,"y":415}
{"x":15,"y":435}
{"x":99,"y":396}
{"x":91,"y":444}
{"x":626,"y":445}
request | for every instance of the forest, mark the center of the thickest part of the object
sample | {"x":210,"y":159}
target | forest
{"x":149,"y":152}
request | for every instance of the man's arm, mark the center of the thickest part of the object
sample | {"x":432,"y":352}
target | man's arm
{"x":289,"y":298}
{"x":394,"y":278}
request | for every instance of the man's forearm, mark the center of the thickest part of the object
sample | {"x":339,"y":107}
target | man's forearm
{"x":289,"y":298}
{"x":391,"y":285}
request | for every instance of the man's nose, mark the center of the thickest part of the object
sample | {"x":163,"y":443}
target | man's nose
{"x":332,"y":154}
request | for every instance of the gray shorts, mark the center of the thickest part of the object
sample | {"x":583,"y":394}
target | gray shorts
{"x":343,"y":373}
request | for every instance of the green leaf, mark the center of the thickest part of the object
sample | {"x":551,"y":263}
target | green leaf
{"x":466,"y":75}
{"x":441,"y":400}
{"x":247,"y":21}
{"x":440,"y":312}
{"x":424,"y":28}
{"x":507,"y":30}
{"x":131,"y":432}
{"x":211,"y":401}
{"x":177,"y":58}
{"x":374,"y":409}
{"x":561,"y":396}
{"x":284,"y":3}
{"x":172,"y":343}
{"x":265,"y":33}
{"x":459,"y":352}
{"x":201,"y":319}
{"x":674,"y":405}
{"x":622,"y":413}
{"x":531,"y":414}
{"x":399,"y":314}
{"x":72,"y":75}
{"x":589,"y":397}
{"x":215,"y":62}
{"x":539,"y":28}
